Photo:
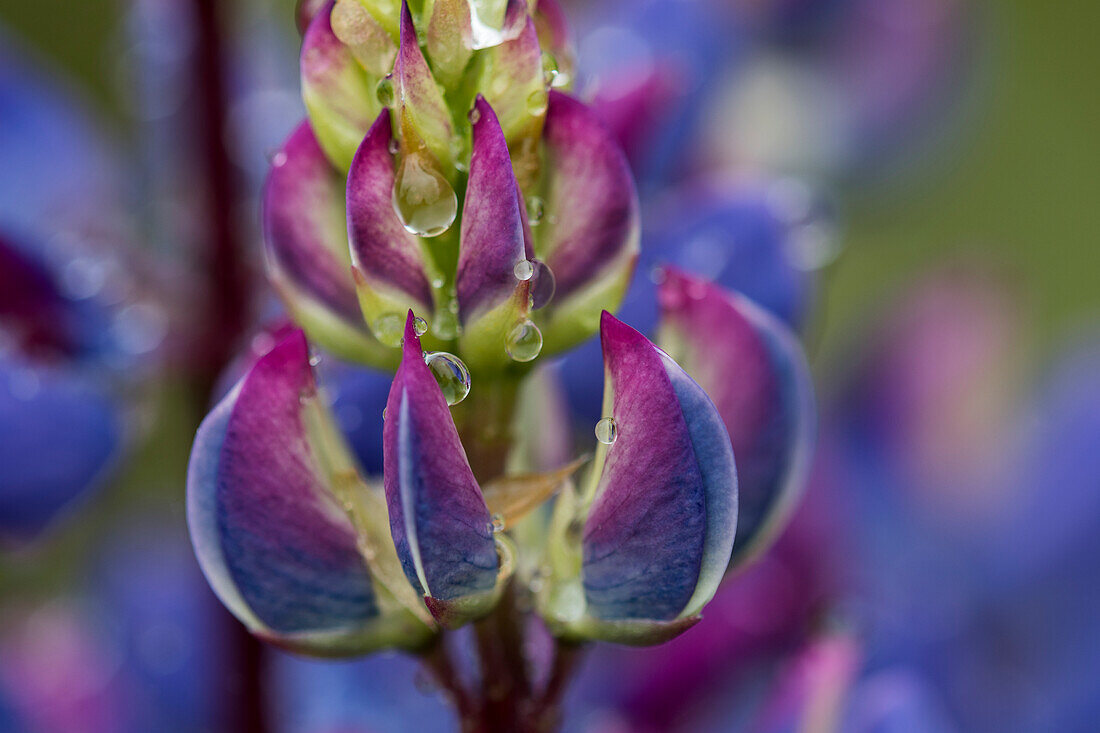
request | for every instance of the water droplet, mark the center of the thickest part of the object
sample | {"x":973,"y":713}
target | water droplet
{"x":420,"y":326}
{"x":383,"y":414}
{"x":543,"y":285}
{"x":385,"y":91}
{"x":524,"y":341}
{"x":389,"y":328}
{"x":537,"y":102}
{"x":607,"y":430}
{"x":279,"y":159}
{"x":549,"y":68}
{"x":437,"y":282}
{"x":394,"y":146}
{"x":450,"y":374}
{"x":535,"y":210}
{"x":314,"y":360}
{"x":422,"y":197}
{"x":473,"y":116}
{"x":497,"y":523}
{"x":523,"y":270}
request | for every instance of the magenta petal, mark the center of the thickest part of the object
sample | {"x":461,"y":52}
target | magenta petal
{"x":388,"y":258}
{"x":305,"y":241}
{"x":337,"y":92}
{"x":275,"y":545}
{"x":591,"y":194}
{"x":661,"y":527}
{"x":514,"y":85}
{"x":753,"y":368}
{"x":492,"y":238}
{"x":438,"y":518}
{"x":419,"y":97}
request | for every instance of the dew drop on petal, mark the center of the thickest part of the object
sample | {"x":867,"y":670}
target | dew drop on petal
{"x":607,"y":430}
{"x":543,"y":285}
{"x":383,"y":414}
{"x":420,"y":326}
{"x":450,"y":374}
{"x":473,"y":116}
{"x":394,"y":146}
{"x":385,"y":91}
{"x":389,"y":328}
{"x":315,"y":360}
{"x":524,"y":341}
{"x":497,"y":523}
{"x":423,"y":199}
{"x":523,"y":270}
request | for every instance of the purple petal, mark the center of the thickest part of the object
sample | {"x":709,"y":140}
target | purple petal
{"x":661,"y":528}
{"x":337,"y":92}
{"x":492,"y":238}
{"x":514,"y":84}
{"x":305,"y":240}
{"x":388,"y":258}
{"x":419,"y":97}
{"x":753,"y":367}
{"x":275,"y":545}
{"x":589,"y":233}
{"x":438,"y":518}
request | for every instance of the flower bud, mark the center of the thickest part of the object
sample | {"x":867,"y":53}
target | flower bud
{"x":439,"y":521}
{"x":493,"y":299}
{"x":753,"y":368}
{"x":338,"y":92}
{"x":642,"y":550}
{"x":288,"y":537}
{"x":588,"y":231}
{"x":306,"y":250}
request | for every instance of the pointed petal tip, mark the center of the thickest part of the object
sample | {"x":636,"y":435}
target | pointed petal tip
{"x":412,"y":338}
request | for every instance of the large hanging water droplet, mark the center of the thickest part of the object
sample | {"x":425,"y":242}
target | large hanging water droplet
{"x":607,"y":430}
{"x":523,"y":270}
{"x":450,"y":374}
{"x":524,"y":341}
{"x":549,"y":68}
{"x":389,"y":328}
{"x":423,"y":199}
{"x":384,"y":90}
{"x":543,"y":285}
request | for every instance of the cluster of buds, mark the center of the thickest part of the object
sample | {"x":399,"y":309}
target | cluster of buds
{"x":448,"y":210}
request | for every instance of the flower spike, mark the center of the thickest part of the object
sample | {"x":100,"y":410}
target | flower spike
{"x":655,"y":526}
{"x":439,"y":521}
{"x":753,"y":367}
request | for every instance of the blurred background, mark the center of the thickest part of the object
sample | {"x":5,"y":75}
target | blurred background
{"x":931,"y":166}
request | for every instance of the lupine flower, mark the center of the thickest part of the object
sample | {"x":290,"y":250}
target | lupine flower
{"x":445,"y":193}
